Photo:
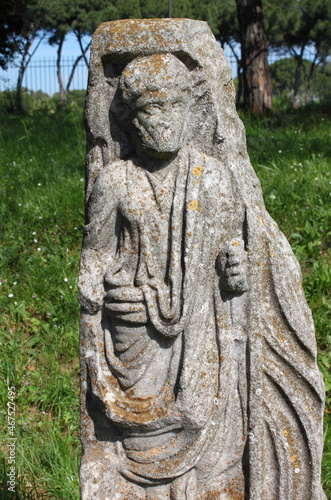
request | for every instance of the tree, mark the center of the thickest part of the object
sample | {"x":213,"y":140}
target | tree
{"x":254,"y":50}
{"x":65,"y":16}
{"x":13,"y":25}
{"x":26,"y":57}
{"x":22,"y":23}
{"x":283,"y":74}
{"x":297,"y":25}
{"x":228,"y":33}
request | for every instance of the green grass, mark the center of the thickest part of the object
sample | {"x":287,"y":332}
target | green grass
{"x":41,"y":197}
{"x":42,"y":158}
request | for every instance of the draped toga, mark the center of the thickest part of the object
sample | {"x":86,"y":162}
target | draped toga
{"x":161,"y":237}
{"x":174,"y":386}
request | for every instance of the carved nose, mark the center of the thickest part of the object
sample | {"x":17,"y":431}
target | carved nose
{"x":165,"y":125}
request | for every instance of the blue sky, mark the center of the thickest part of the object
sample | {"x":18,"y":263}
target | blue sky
{"x":41,"y":72}
{"x":70,"y":48}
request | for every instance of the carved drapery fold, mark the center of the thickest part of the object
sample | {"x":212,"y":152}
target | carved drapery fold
{"x":231,"y":365}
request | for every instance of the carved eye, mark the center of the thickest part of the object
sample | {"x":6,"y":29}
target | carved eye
{"x":176,"y":105}
{"x":150,"y":109}
{"x":154,"y":108}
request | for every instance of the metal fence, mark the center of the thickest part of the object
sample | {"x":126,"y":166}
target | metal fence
{"x":41,"y":74}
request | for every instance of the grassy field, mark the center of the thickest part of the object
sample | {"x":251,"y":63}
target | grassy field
{"x":42,"y":158}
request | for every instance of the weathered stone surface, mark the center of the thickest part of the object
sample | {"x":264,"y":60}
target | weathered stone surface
{"x":199,"y":376}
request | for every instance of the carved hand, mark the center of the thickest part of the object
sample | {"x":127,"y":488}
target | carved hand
{"x":231,"y":265}
{"x":126,"y":303}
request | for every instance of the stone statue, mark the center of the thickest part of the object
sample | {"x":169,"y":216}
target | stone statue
{"x":199,"y":376}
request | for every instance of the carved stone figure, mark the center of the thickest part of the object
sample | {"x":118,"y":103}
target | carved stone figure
{"x":199,"y":376}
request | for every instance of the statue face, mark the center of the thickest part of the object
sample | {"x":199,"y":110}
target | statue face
{"x":156,"y":88}
{"x":160,"y":121}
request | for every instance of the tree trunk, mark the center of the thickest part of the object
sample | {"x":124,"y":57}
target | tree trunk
{"x":72,"y":72}
{"x":26,"y":58}
{"x":63,"y":94}
{"x":79,"y":58}
{"x":83,"y":51}
{"x":256,"y":75}
{"x":309,"y":86}
{"x":23,"y":66}
{"x":297,"y":79}
{"x":239,"y":74}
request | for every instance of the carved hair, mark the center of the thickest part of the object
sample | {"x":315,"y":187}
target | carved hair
{"x":151,"y":73}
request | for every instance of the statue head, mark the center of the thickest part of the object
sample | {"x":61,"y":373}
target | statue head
{"x":156,"y":89}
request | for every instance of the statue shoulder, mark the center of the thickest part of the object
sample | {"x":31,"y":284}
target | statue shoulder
{"x":210,"y":162}
{"x":212,"y":171}
{"x":108,"y":185}
{"x":114,"y":171}
{"x":112,"y":175}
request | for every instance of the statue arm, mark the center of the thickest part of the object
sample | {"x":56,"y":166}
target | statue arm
{"x":231,"y":262}
{"x":99,"y":242}
{"x":231,"y":265}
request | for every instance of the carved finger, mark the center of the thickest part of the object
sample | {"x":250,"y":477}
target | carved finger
{"x":136,"y":318}
{"x":234,"y":260}
{"x":125,"y":294}
{"x":125,"y":307}
{"x":234,"y":271}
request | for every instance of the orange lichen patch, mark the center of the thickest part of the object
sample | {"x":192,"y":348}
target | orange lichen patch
{"x":235,"y":243}
{"x":234,"y":491}
{"x":157,"y":94}
{"x":193,"y":205}
{"x":137,"y":410}
{"x":197,"y":170}
{"x":135,"y":25}
{"x":160,"y":61}
{"x":292,"y":451}
{"x":211,"y":495}
{"x":147,"y":33}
